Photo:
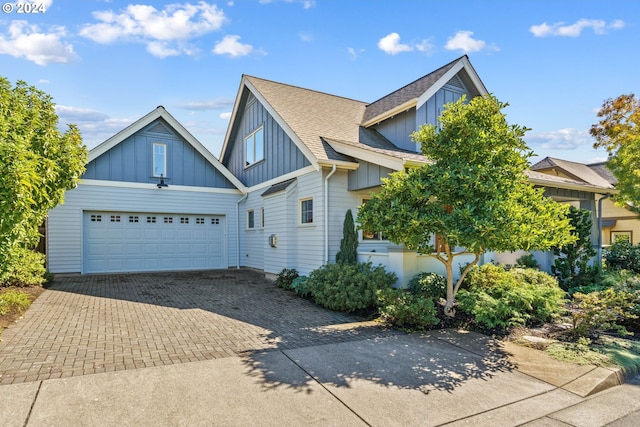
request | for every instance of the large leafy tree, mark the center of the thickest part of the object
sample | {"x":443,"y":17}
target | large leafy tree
{"x":475,"y":194}
{"x":619,"y":132}
{"x":37,"y":164}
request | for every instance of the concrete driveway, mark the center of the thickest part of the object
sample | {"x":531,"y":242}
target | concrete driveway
{"x":261,"y":356}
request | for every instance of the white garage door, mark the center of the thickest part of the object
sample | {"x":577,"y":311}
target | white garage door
{"x":122,"y":241}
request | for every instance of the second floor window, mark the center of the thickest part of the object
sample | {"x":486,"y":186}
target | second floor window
{"x":159,"y":159}
{"x":254,"y":147}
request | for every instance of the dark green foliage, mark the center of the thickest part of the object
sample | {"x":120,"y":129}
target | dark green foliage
{"x":349,"y":244}
{"x":432,"y":285}
{"x":286,"y":277}
{"x":601,"y":311}
{"x":497,"y":298}
{"x":348,"y":287}
{"x":527,"y":261}
{"x":23,"y":268}
{"x":572,"y":266}
{"x":407,"y":310}
{"x":622,"y":255}
{"x":299,"y":286}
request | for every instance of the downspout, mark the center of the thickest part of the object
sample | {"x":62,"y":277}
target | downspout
{"x":606,"y":196}
{"x":238,"y":228}
{"x":326,"y":214}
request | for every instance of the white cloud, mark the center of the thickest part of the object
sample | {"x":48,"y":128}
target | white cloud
{"x":226,"y":116}
{"x":215,"y":104}
{"x":598,"y":26}
{"x":463,"y":41}
{"x":425,"y":46}
{"x":74,"y":114}
{"x":27,"y":41}
{"x":354,"y":54}
{"x":562,"y":139}
{"x":391,"y":44}
{"x":231,"y":46}
{"x":165,"y":32}
{"x":307,"y":4}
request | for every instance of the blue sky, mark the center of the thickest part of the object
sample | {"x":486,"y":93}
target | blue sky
{"x":108,"y":63}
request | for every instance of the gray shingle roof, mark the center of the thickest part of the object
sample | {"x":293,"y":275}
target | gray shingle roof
{"x":579,"y":171}
{"x":411,"y":91}
{"x":312,"y":115}
{"x":602,"y":170}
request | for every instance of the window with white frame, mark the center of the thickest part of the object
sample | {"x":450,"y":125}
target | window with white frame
{"x":159,"y":159}
{"x":251,"y":219}
{"x":306,"y":211}
{"x":254,"y":147}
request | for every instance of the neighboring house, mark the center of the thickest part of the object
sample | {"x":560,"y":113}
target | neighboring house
{"x":294,"y":160}
{"x":617,"y":221}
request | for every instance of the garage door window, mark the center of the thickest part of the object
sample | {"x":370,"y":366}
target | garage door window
{"x":168,"y":220}
{"x":151,"y":219}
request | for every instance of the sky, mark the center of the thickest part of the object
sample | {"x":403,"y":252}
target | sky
{"x":107,"y":63}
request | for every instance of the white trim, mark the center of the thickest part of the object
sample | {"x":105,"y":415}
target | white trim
{"x":569,"y":186}
{"x":326,"y":213}
{"x":368,"y":156}
{"x":313,"y":209}
{"x":246,"y":153}
{"x":148,"y":186}
{"x":164,"y":159}
{"x":305,"y":170}
{"x":252,"y":211}
{"x":140,"y":124}
{"x":390,"y":113}
{"x":340,"y":164}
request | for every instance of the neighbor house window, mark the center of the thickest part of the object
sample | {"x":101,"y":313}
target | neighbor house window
{"x":254,"y":147}
{"x":159,"y":159}
{"x":251,"y":219}
{"x":371,"y":234}
{"x":306,"y":211}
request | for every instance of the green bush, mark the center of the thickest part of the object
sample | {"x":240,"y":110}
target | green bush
{"x":601,"y":311}
{"x":407,"y":310}
{"x":527,"y":261}
{"x":497,"y":298}
{"x":24,"y":268}
{"x":12,"y":299}
{"x":285,"y":278}
{"x":622,"y":255}
{"x":431,"y":285}
{"x":299,"y":286}
{"x":348,"y":287}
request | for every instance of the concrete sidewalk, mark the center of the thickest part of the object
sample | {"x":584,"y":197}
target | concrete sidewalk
{"x":438,"y":378}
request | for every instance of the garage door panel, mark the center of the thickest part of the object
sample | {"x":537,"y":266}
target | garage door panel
{"x":116,"y":242}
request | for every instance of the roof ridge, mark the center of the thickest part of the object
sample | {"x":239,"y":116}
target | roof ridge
{"x":304,"y":88}
{"x":420,"y":78}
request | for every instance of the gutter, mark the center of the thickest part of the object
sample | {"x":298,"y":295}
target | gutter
{"x":606,"y":196}
{"x":238,"y":228}
{"x":326,"y":213}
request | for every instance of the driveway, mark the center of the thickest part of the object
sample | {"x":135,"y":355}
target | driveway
{"x":103,"y":323}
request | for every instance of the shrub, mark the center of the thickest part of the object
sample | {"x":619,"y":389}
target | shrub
{"x":497,"y":298}
{"x":601,"y":311}
{"x":24,"y":268}
{"x":285,"y":278}
{"x":622,"y":255}
{"x":527,"y":261}
{"x":299,"y":286}
{"x":405,"y":309}
{"x":13,"y":300}
{"x":349,"y":244}
{"x":348,"y":287}
{"x":431,"y":285}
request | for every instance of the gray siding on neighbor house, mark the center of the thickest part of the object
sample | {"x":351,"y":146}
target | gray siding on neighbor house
{"x":281,"y":155}
{"x":367,"y":175}
{"x":132,"y":161}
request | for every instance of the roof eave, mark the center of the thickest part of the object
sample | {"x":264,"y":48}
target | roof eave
{"x":394,"y":111}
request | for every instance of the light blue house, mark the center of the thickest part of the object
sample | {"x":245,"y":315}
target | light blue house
{"x":293,"y":162}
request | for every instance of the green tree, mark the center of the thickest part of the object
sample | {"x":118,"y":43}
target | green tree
{"x":38,"y":164}
{"x":572,"y":264}
{"x":349,"y":244}
{"x":475,"y":193}
{"x":619,"y":132}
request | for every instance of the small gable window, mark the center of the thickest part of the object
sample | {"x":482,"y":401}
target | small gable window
{"x":254,"y":147}
{"x":159,"y":159}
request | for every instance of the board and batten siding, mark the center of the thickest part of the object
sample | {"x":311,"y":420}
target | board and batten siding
{"x":132,"y":161}
{"x":64,"y":235}
{"x":367,"y":175}
{"x":281,"y":155}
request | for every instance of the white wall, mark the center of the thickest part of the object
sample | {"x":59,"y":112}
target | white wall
{"x":64,"y":232}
